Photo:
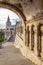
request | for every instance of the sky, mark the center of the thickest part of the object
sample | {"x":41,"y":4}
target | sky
{"x":4,"y":13}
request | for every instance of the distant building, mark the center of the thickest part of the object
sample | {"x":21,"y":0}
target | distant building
{"x":8,"y":24}
{"x":10,"y":29}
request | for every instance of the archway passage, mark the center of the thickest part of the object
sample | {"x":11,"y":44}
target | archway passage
{"x":17,"y":8}
{"x":8,"y":21}
{"x":9,"y":54}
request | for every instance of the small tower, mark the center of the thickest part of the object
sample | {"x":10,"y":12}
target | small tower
{"x":8,"y":23}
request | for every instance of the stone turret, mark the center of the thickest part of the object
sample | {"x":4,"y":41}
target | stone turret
{"x":8,"y":23}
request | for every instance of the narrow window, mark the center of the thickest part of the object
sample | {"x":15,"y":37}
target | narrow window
{"x":32,"y":37}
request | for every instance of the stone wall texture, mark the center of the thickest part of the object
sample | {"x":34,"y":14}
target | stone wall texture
{"x":30,"y":36}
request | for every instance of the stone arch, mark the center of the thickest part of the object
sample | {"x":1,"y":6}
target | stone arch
{"x":14,"y":8}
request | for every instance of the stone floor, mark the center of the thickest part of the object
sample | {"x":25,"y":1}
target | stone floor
{"x":9,"y":55}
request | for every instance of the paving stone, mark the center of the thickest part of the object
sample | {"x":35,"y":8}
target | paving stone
{"x":9,"y":55}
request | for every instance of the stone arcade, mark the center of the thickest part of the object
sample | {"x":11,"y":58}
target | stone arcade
{"x":33,"y":39}
{"x":29,"y":33}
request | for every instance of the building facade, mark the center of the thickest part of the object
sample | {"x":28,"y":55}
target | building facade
{"x":10,"y":29}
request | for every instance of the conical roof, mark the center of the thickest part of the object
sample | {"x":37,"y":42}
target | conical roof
{"x":8,"y":21}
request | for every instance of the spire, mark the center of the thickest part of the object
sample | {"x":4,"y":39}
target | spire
{"x":8,"y":20}
{"x":8,"y":23}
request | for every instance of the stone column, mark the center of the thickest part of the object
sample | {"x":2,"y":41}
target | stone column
{"x":27,"y":36}
{"x":42,"y":46}
{"x":30,"y":38}
{"x":36,"y":41}
{"x":37,"y":48}
{"x":42,"y":40}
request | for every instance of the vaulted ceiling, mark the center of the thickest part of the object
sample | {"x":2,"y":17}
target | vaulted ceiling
{"x":28,"y":8}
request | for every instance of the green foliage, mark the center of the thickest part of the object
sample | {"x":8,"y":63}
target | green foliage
{"x":1,"y":36}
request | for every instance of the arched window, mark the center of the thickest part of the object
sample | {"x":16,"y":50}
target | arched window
{"x":40,"y":35}
{"x":32,"y":37}
{"x":27,"y":36}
